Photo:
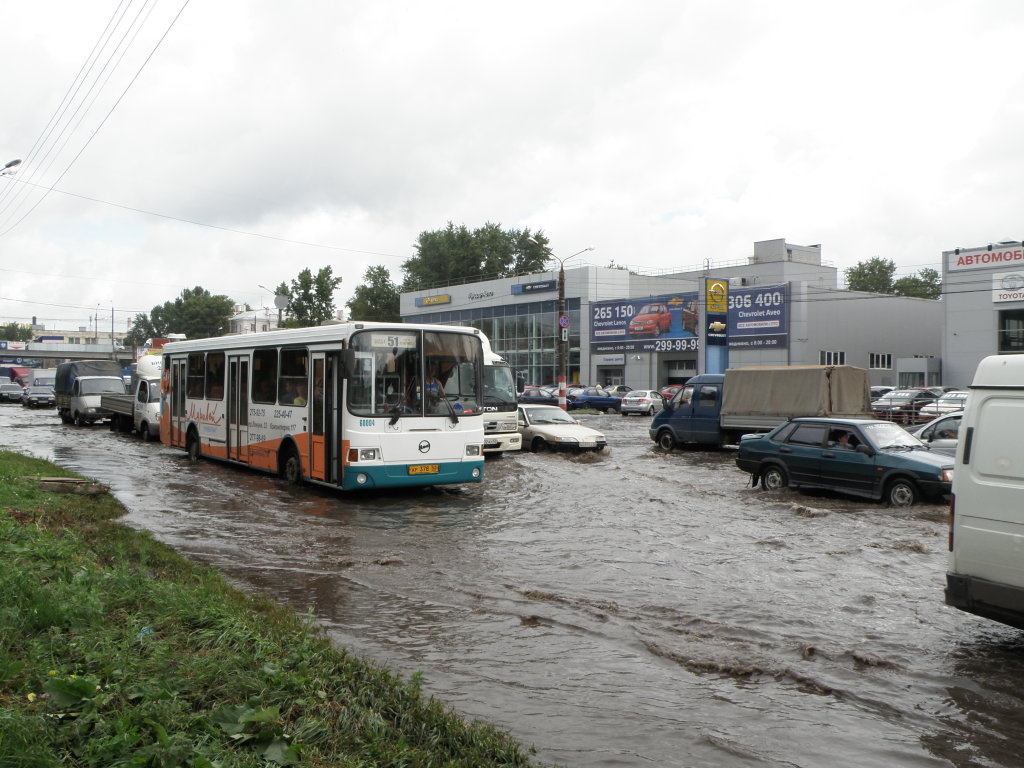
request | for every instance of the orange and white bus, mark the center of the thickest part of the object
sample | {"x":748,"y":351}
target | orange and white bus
{"x":352,"y":405}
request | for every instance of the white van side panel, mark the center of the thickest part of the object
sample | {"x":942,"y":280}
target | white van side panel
{"x":986,"y":564}
{"x":998,"y":451}
{"x":989,"y":536}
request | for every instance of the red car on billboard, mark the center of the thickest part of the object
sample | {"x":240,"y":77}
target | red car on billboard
{"x":651,"y":320}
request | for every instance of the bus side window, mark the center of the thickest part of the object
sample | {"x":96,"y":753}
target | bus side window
{"x":264,"y":376}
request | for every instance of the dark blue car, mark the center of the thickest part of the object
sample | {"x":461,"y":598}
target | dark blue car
{"x":862,"y":457}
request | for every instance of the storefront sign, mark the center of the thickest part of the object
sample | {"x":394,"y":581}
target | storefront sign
{"x":990,"y":256}
{"x":521,"y":288}
{"x":429,"y":301}
{"x":1008,"y":286}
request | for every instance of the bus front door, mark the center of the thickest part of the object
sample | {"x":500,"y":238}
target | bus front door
{"x":323,"y":449}
{"x":179,"y":420}
{"x":238,"y":408}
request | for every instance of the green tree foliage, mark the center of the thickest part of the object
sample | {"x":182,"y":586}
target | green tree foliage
{"x":311,"y":298}
{"x":16,"y":332}
{"x":876,"y":276}
{"x":457,"y":255}
{"x":376,"y":299}
{"x":926,"y":284}
{"x":196,"y":313}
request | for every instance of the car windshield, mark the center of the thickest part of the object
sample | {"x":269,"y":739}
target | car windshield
{"x":102,"y":386}
{"x":887,"y":436}
{"x":548,"y":415}
{"x":40,"y":391}
{"x":953,"y":397}
{"x":650,"y":309}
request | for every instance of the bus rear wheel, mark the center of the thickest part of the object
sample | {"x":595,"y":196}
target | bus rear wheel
{"x":290,"y":466}
{"x":193,"y":448}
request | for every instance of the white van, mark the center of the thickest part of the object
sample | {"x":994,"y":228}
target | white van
{"x":986,"y":560}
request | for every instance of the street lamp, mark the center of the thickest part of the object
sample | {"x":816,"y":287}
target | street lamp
{"x":563,"y":327}
{"x":280,"y":301}
{"x":7,"y":169}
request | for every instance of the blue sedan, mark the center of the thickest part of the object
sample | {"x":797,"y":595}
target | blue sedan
{"x":861,"y":457}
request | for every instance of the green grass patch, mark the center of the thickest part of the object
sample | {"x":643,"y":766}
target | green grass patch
{"x":117,"y":651}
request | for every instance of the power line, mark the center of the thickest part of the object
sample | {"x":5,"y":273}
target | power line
{"x":104,"y":120}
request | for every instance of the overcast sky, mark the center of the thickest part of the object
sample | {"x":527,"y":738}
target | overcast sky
{"x":231,"y":144}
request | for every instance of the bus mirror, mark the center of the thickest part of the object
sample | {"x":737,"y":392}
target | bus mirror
{"x":348,"y":363}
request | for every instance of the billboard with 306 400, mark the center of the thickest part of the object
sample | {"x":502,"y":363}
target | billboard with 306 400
{"x":757,"y":318}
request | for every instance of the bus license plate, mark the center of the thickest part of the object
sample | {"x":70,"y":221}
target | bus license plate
{"x":423,"y":469}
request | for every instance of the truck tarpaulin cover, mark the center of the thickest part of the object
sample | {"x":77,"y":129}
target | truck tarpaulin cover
{"x":68,"y":372}
{"x":798,"y":390}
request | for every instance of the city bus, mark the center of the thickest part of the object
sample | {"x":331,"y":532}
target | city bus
{"x":350,"y":405}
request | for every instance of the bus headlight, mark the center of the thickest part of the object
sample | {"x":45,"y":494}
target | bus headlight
{"x":474,"y":450}
{"x":476,"y":473}
{"x":362,"y":454}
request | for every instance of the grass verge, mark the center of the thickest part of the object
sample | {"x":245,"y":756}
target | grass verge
{"x":115,"y":650}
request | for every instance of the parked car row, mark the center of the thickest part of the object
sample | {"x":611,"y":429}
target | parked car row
{"x":31,"y":396}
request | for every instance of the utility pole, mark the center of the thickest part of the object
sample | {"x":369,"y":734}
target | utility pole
{"x":562,"y":329}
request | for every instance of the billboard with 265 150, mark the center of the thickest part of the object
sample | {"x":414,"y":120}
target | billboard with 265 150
{"x":757,"y":318}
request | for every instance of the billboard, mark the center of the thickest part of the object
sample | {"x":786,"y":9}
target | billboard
{"x":756,"y":317}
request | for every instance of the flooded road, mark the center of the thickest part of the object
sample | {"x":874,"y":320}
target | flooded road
{"x":629,"y":609}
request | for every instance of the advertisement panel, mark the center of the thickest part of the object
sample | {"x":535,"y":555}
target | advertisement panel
{"x":756,"y":317}
{"x":759,"y":317}
{"x":1008,"y":286}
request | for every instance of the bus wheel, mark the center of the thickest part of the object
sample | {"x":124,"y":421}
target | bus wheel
{"x":193,"y":448}
{"x":291,"y":467}
{"x":665,"y":440}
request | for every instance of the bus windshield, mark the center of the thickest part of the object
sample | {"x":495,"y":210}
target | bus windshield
{"x":415,"y":373}
{"x":500,"y":388}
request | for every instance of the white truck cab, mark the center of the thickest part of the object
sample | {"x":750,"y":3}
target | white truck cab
{"x":985,"y":575}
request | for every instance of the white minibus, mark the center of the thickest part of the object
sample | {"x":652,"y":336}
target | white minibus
{"x":986,"y":514}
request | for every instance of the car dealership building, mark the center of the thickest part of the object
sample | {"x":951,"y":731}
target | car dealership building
{"x":983,"y":306}
{"x":647,"y":330}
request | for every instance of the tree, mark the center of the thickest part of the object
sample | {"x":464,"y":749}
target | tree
{"x":876,"y":276}
{"x":16,"y":332}
{"x":196,"y":313}
{"x":872,"y":276}
{"x":376,"y":299}
{"x":311,"y":298}
{"x":456,"y":255}
{"x":926,"y":284}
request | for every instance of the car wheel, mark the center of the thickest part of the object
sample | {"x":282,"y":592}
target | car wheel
{"x":622,"y":412}
{"x":77,"y":420}
{"x":774,"y":478}
{"x":144,"y":429}
{"x":539,"y":445}
{"x":291,"y":466}
{"x":901,"y":493}
{"x":650,"y":411}
{"x":666,"y":441}
{"x":193,"y":448}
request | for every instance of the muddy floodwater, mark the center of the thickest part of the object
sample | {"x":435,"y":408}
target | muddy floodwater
{"x":628,"y":609}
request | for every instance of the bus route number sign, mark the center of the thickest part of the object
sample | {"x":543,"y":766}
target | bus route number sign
{"x":393,"y":340}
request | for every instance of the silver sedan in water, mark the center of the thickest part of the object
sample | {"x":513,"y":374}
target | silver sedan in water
{"x":645,"y":402}
{"x":548,"y":427}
